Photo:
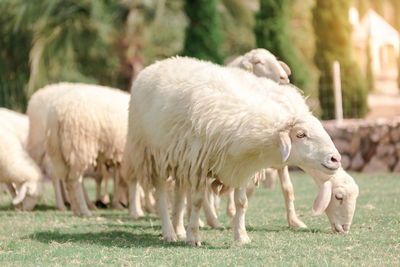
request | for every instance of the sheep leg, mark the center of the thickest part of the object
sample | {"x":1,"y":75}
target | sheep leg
{"x":193,"y":233}
{"x":105,"y":177}
{"x":135,"y":207}
{"x":239,"y":219}
{"x":98,"y":189}
{"x":77,"y":198}
{"x":89,"y":203}
{"x":189,"y":206}
{"x":64,"y":194}
{"x":58,"y":194}
{"x":149,"y":202}
{"x":230,"y":203}
{"x":217,"y":200}
{"x":178,"y":209}
{"x":161,"y":193}
{"x":209,"y":209}
{"x":288,"y":194}
{"x":271,"y":177}
{"x":116,"y":192}
{"x":11,"y":189}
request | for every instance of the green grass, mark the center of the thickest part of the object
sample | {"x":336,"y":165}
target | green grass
{"x":50,"y":237}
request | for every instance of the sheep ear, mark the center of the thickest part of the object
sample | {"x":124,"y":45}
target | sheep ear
{"x":285,"y":67}
{"x":285,"y":144}
{"x":247,"y":65}
{"x":323,"y":198}
{"x":21,"y":194}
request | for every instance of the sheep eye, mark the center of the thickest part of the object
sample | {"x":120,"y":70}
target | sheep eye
{"x":339,"y":196}
{"x":300,"y":135}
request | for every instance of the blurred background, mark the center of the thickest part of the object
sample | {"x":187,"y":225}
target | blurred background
{"x":108,"y":42}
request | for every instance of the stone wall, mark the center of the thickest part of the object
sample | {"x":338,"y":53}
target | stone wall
{"x":367,"y":146}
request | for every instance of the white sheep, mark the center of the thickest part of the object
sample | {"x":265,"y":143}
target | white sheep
{"x":263,"y":63}
{"x":38,"y":108}
{"x":16,"y":167}
{"x":337,"y":197}
{"x":191,"y":119}
{"x":86,"y":126}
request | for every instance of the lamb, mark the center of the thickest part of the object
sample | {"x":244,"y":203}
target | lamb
{"x":16,"y":167}
{"x":86,"y":126}
{"x":191,"y":119}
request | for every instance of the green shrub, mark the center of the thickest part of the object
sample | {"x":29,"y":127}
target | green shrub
{"x":203,"y":37}
{"x":271,"y":34}
{"x":333,"y":42}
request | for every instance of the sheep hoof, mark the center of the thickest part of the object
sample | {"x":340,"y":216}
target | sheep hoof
{"x":134,"y":216}
{"x":215,"y":224}
{"x":230,"y":213}
{"x":118,"y":206}
{"x":201,"y":223}
{"x":86,"y":214}
{"x":297,"y":224}
{"x":150,"y":210}
{"x":243,"y":239}
{"x":181,"y":234}
{"x":100,"y":204}
{"x":106,"y":200}
{"x":170,"y":238}
{"x":194,"y":243}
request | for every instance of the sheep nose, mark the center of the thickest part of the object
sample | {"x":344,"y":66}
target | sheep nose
{"x":336,"y":158}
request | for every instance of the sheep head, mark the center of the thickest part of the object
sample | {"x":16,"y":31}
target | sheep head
{"x":263,"y":63}
{"x":29,"y":194}
{"x":337,"y":196}
{"x":306,"y":144}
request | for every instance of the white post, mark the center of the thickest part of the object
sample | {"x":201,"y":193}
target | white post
{"x":337,"y":90}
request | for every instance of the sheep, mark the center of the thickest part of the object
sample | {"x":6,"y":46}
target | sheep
{"x":86,"y":126}
{"x":263,"y":63}
{"x":337,"y":197}
{"x":191,"y":119}
{"x":38,"y":109}
{"x":16,"y":167}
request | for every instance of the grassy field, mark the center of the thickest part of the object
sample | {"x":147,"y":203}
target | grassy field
{"x":50,"y":237}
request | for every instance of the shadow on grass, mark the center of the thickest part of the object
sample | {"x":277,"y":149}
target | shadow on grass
{"x":284,"y":229}
{"x":120,"y":239}
{"x":39,"y":207}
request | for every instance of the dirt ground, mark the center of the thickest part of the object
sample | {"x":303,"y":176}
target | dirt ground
{"x":383,"y":105}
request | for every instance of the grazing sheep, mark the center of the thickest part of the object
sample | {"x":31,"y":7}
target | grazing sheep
{"x":86,"y":126}
{"x":16,"y":167}
{"x":337,"y":197}
{"x":37,"y":110}
{"x":191,"y":119}
{"x":263,"y":64}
